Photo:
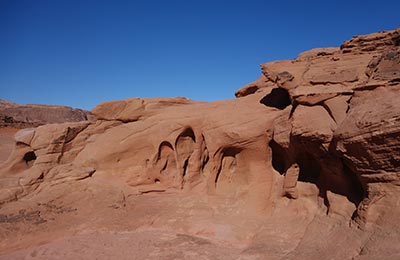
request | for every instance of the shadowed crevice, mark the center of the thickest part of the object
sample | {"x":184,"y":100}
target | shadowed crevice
{"x":278,"y":98}
{"x":279,"y":158}
{"x":29,"y":158}
{"x":187,"y":133}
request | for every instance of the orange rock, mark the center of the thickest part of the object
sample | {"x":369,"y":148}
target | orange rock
{"x":322,"y":129}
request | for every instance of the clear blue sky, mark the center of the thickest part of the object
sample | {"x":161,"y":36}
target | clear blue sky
{"x":80,"y":53}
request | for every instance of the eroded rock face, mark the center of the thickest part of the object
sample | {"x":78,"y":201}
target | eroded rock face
{"x":343,"y":114}
{"x":307,"y":154}
{"x":14,"y":117}
{"x":24,"y":116}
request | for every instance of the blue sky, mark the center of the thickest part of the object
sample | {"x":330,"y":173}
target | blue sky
{"x":81,"y":53}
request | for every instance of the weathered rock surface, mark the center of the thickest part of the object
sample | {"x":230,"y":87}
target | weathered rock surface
{"x":14,"y":116}
{"x":304,"y":164}
{"x":23,"y":116}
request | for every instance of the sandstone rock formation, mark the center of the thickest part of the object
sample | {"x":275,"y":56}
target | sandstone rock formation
{"x":304,"y":164}
{"x":24,"y":116}
{"x":14,"y":117}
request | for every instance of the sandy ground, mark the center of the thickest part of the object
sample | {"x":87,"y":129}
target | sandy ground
{"x":140,"y":244}
{"x":94,"y":223}
{"x":152,"y":226}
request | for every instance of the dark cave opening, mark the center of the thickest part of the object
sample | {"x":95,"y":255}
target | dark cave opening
{"x":278,"y":98}
{"x":279,"y":157}
{"x":336,"y":176}
{"x":281,"y":161}
{"x":358,"y":191}
{"x":309,"y":167}
{"x":29,"y":158}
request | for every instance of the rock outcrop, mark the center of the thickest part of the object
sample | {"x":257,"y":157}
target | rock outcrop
{"x":25,"y":116}
{"x":304,"y":164}
{"x":14,"y":117}
{"x":342,"y":126}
